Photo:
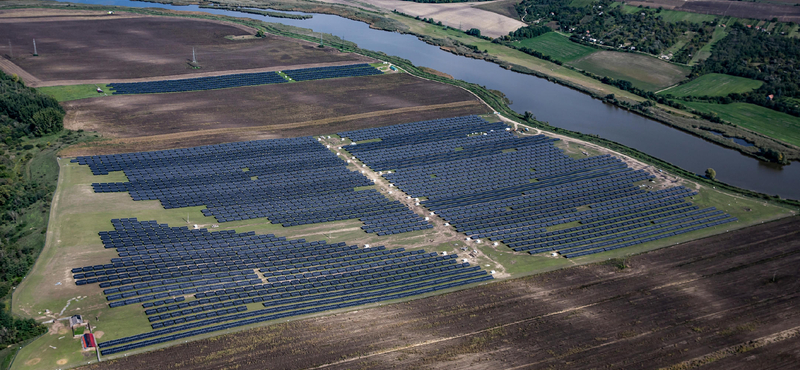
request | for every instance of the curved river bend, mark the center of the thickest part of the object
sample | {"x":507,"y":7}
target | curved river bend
{"x":556,"y":104}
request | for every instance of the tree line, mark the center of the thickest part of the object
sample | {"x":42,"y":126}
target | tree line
{"x":26,"y":116}
{"x":757,"y":55}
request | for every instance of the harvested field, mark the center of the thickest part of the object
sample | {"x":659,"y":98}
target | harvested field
{"x":269,"y":111}
{"x":502,"y":7}
{"x":128,"y":47}
{"x":457,"y":15}
{"x":738,"y":9}
{"x":642,"y":71}
{"x":702,"y":301}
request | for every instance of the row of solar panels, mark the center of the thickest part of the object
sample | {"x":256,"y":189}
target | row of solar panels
{"x":249,"y":318}
{"x":241,"y":80}
{"x":297,"y":275}
{"x":323,"y":191}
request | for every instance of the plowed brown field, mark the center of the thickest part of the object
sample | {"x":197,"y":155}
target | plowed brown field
{"x":163,"y":121}
{"x":117,"y":47}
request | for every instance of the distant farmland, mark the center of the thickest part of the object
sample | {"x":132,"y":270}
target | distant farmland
{"x":557,"y":46}
{"x":714,"y":84}
{"x":644,"y":72}
{"x":780,"y":126}
{"x":106,"y":47}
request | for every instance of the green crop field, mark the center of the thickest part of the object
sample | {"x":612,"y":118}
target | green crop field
{"x":642,"y":71}
{"x":557,"y":46}
{"x":780,"y":126}
{"x":714,"y":84}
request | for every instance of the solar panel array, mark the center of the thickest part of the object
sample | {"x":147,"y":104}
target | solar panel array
{"x":319,"y":73}
{"x":192,"y":282}
{"x":523,"y":191}
{"x":197,"y":84}
{"x":241,"y":80}
{"x":291,"y":182}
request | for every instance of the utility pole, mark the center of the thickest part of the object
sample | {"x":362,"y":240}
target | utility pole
{"x":35,"y":53}
{"x":10,"y":50}
{"x":194,"y":56}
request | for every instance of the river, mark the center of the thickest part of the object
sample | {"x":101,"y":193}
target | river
{"x":548,"y":101}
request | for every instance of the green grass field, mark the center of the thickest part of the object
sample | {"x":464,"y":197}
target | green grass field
{"x":75,"y":92}
{"x":777,"y":125}
{"x":644,"y":72}
{"x":557,"y":46}
{"x":714,"y":84}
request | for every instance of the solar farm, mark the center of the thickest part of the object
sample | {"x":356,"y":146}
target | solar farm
{"x":494,"y":185}
{"x":242,"y":80}
{"x":221,"y":272}
{"x":487,"y":184}
{"x":277,"y":204}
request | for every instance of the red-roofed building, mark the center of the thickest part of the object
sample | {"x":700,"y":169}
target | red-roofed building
{"x":88,"y":342}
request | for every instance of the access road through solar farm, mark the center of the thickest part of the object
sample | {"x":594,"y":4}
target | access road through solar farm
{"x":729,"y":298}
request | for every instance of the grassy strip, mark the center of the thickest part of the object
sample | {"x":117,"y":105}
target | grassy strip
{"x":713,"y":84}
{"x":753,"y":117}
{"x":557,"y":46}
{"x":705,"y":51}
{"x":75,"y":92}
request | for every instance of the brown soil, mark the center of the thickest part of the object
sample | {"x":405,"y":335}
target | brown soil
{"x":739,"y":9}
{"x":729,"y":297}
{"x":270,"y":111}
{"x":112,"y":47}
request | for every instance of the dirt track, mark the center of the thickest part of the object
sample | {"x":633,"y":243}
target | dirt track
{"x":127,"y":47}
{"x":696,"y":303}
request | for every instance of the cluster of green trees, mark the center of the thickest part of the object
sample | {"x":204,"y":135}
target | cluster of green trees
{"x":25,"y":116}
{"x":14,"y":330}
{"x":645,"y":29}
{"x":755,"y":54}
{"x":528,"y":32}
{"x":24,"y":111}
{"x":702,"y":36}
